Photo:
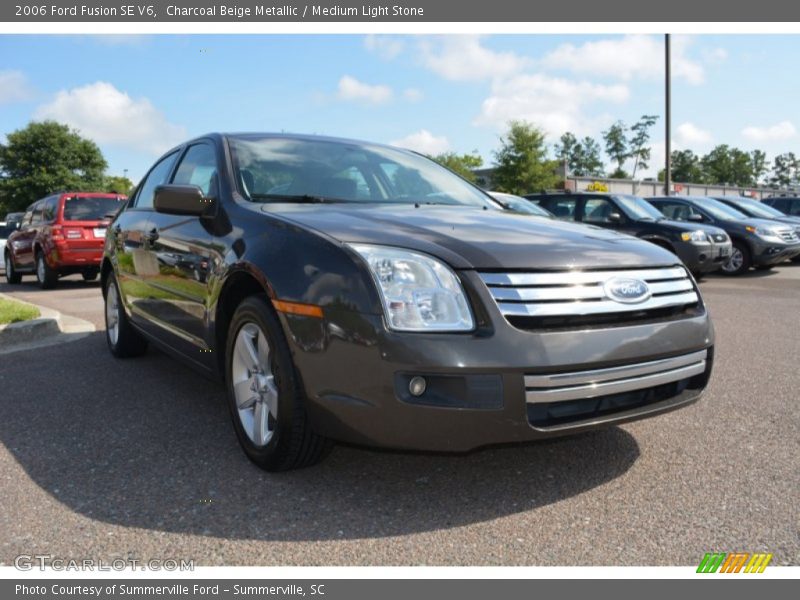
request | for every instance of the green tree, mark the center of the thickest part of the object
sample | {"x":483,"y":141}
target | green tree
{"x":115,"y":183}
{"x":616,"y":146}
{"x":590,"y":162}
{"x":44,"y":157}
{"x":731,"y":166}
{"x":463,"y":164}
{"x":582,"y":157}
{"x":760,"y":164}
{"x":686,"y":167}
{"x":639,"y":142}
{"x":785,"y":170}
{"x":522,"y":163}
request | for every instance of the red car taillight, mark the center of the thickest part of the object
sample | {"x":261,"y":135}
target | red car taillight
{"x":56,"y":233}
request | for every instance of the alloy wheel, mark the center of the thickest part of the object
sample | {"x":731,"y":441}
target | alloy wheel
{"x":112,"y":314}
{"x":735,"y":262}
{"x":254,"y":386}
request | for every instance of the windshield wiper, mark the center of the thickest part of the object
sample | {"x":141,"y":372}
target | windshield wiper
{"x":299,"y":198}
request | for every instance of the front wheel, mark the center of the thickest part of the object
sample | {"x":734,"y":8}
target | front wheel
{"x":739,"y":261}
{"x":46,"y":276}
{"x":265,"y":397}
{"x":12,"y":277}
{"x":122,"y":339}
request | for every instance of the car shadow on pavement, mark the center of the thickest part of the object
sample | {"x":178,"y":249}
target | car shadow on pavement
{"x":147,"y":443}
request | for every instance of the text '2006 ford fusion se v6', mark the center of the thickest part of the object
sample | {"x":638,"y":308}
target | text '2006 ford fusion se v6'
{"x":357,"y":292}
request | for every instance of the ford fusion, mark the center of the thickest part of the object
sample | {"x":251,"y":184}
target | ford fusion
{"x":351,"y":291}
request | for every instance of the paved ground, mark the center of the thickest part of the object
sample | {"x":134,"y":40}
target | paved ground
{"x":101,"y":458}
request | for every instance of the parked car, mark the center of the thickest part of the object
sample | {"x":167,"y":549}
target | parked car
{"x":756,"y":242}
{"x":13,"y":219}
{"x":759,"y":210}
{"x":787,"y":205}
{"x":60,"y":235}
{"x":379,"y":300}
{"x":520,"y":205}
{"x":702,"y":249}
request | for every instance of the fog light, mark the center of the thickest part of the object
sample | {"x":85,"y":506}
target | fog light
{"x":417,"y":386}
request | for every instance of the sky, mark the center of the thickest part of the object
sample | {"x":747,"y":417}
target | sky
{"x":138,"y":95}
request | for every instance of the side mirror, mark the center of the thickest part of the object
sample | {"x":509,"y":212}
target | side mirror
{"x":18,"y":224}
{"x":614,"y":217}
{"x":186,"y":200}
{"x":696,"y":218}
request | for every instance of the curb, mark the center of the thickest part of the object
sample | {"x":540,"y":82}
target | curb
{"x":51,"y":327}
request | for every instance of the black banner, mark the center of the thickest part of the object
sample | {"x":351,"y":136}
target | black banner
{"x":152,"y":11}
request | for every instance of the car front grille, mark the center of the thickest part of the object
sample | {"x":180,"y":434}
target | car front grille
{"x":787,"y":235}
{"x":545,"y":300}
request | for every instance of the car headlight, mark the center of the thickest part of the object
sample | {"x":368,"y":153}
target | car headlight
{"x":419,"y":292}
{"x":764,"y":232}
{"x":694,"y":236}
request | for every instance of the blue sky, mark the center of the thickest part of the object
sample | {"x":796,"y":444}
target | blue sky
{"x":138,"y":95}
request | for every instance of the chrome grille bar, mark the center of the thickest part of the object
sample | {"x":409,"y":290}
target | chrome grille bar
{"x":561,"y":387}
{"x":578,"y":293}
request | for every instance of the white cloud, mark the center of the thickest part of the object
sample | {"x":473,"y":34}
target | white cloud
{"x":387,"y":47}
{"x":14,"y":87}
{"x":412,"y":94}
{"x":628,"y":57}
{"x":351,"y":88}
{"x":784,"y":130}
{"x":464,"y":58}
{"x":552,"y":103}
{"x":109,"y":116}
{"x":689,"y":135}
{"x":423,"y":141}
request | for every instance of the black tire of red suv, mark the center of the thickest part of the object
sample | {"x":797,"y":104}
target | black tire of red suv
{"x":47,"y":277}
{"x":294,"y":444}
{"x":127,"y":342}
{"x":90,"y":275}
{"x":12,"y":277}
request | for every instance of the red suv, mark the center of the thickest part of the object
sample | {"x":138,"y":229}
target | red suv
{"x":60,"y":235}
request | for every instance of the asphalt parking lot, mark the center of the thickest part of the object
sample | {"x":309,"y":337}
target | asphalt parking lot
{"x":107,"y":459}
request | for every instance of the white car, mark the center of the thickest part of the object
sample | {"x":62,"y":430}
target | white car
{"x":5,"y":231}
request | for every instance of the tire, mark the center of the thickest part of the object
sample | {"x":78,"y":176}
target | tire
{"x":764,"y":267}
{"x":47,"y":277}
{"x":89,"y":275}
{"x":698,"y":276}
{"x":265,"y":396}
{"x":12,"y":277}
{"x":122,"y":339}
{"x":739,"y":261}
{"x":796,"y":259}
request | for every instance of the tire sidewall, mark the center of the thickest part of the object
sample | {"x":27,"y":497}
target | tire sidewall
{"x":745,"y":251}
{"x":256,"y":310}
{"x":114,"y":348}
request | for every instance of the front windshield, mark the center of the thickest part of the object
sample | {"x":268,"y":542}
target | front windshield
{"x":277,"y":169}
{"x":638,"y":208}
{"x":757,"y":209}
{"x":719,"y":210}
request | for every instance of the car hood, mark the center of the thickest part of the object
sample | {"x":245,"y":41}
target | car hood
{"x":688,"y":226}
{"x":754,"y":222}
{"x":467,"y":237}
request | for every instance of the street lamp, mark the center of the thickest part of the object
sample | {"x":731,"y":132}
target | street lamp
{"x":667,"y":118}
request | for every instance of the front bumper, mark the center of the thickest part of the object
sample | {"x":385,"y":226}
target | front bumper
{"x":704,"y":257}
{"x":772,"y":253}
{"x":356,"y":375}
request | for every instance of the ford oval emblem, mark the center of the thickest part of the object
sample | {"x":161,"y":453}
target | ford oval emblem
{"x":626,"y":290}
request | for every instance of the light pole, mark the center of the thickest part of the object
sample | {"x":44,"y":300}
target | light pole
{"x":667,"y":118}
